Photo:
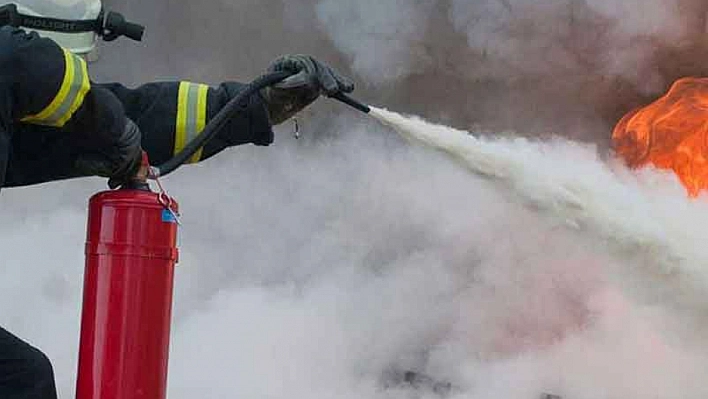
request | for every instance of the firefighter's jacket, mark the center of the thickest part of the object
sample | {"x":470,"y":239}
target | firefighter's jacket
{"x":51,"y":113}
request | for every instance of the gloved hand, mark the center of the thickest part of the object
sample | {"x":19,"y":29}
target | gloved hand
{"x":311,"y":79}
{"x":121,"y":162}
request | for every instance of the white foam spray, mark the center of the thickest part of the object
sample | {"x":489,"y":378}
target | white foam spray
{"x":587,"y":196}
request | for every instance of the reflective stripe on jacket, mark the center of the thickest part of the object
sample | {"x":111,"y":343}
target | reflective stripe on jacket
{"x":75,"y":84}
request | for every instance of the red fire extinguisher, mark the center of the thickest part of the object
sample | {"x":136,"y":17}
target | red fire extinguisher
{"x":125,"y":328}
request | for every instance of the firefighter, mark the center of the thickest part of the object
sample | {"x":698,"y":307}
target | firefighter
{"x":55,"y":123}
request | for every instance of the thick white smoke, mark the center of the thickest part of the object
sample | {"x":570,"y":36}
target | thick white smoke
{"x":327,"y":269}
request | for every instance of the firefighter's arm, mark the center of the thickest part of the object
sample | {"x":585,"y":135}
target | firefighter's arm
{"x":52,"y":89}
{"x":170,"y":114}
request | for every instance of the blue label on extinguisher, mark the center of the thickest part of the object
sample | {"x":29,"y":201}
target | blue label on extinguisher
{"x":168,"y":216}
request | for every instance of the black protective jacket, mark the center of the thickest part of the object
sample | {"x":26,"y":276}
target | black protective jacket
{"x":51,"y":113}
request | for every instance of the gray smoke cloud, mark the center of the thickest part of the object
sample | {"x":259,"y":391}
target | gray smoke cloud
{"x":321,"y":267}
{"x":582,"y":63}
{"x":565,"y":38}
{"x":384,"y":39}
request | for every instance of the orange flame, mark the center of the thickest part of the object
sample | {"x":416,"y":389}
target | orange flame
{"x":670,"y":133}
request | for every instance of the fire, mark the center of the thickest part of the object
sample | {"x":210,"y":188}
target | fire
{"x":670,"y":133}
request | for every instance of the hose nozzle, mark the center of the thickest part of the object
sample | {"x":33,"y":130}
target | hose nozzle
{"x":339,"y":96}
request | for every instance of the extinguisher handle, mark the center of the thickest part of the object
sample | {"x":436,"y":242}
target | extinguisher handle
{"x":139,"y":181}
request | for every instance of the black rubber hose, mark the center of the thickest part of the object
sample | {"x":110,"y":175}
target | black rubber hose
{"x":234,"y":105}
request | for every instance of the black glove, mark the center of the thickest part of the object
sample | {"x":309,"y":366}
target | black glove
{"x":311,"y":79}
{"x":120,"y":162}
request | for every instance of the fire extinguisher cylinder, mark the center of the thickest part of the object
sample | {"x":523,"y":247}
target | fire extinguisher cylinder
{"x":131,"y":254}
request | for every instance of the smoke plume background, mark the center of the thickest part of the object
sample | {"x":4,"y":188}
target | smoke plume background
{"x":321,"y":267}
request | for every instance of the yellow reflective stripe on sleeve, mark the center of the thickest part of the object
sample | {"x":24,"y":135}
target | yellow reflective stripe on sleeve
{"x":201,"y":117}
{"x":71,"y":94}
{"x":181,"y":123}
{"x":85,"y":86}
{"x":191,"y":115}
